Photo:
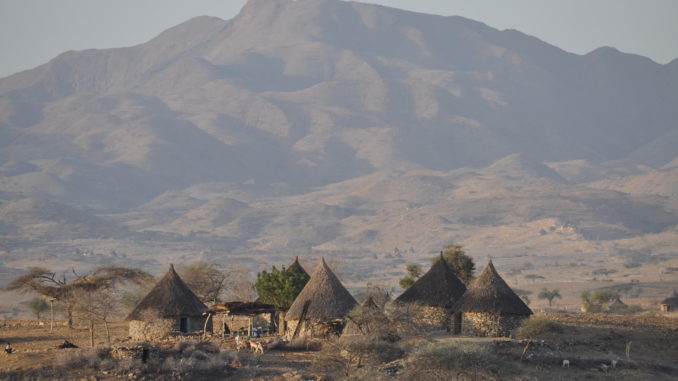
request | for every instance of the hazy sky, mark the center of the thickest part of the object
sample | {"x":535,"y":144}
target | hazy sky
{"x":34,"y":31}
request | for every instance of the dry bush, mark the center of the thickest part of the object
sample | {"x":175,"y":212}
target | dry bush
{"x":455,"y":360}
{"x":300,"y":344}
{"x":354,"y":357}
{"x":533,"y":328}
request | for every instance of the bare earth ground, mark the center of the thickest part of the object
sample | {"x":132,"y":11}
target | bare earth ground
{"x":588,"y":341}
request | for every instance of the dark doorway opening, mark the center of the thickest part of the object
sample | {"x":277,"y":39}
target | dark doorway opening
{"x":183,"y":325}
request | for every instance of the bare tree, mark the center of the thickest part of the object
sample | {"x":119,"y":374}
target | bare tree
{"x":240,"y":284}
{"x":206,"y":280}
{"x":68,"y":287}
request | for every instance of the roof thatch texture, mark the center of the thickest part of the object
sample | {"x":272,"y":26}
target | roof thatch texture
{"x":327,"y":297}
{"x":671,"y":300}
{"x":490,"y":293}
{"x":169,"y":298}
{"x":296,"y":266}
{"x":439,"y":287}
{"x":616,"y":303}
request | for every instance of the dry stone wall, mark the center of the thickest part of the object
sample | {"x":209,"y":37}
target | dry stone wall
{"x":489,"y":324}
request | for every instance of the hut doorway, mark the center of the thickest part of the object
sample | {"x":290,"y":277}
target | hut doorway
{"x":456,"y":325}
{"x":183,"y":325}
{"x":227,"y":331}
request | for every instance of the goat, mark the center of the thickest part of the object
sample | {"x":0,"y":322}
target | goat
{"x":256,"y":347}
{"x":566,"y":363}
{"x":604,"y":367}
{"x":614,"y":363}
{"x":241,"y":345}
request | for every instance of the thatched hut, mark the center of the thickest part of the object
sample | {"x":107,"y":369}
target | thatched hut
{"x":490,"y":307}
{"x":171,"y":308}
{"x":230,"y":317}
{"x":435,"y":293}
{"x":617,"y":306}
{"x":321,"y":307}
{"x":296,"y":266}
{"x":669,"y":304}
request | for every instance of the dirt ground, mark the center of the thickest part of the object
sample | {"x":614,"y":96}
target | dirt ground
{"x":588,"y":341}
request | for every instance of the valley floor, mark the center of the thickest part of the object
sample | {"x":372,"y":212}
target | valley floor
{"x":588,"y":341}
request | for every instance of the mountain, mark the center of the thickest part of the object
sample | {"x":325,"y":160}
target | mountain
{"x":313,"y":92}
{"x":338,"y":127}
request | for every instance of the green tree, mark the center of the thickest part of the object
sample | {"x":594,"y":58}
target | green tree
{"x":38,"y":305}
{"x":593,"y":301}
{"x":413,"y":273}
{"x":549,"y":295}
{"x":280,"y":287}
{"x":460,"y":263}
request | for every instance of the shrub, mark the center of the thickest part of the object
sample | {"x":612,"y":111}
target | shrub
{"x":353,"y":356}
{"x":533,"y":328}
{"x":455,"y":360}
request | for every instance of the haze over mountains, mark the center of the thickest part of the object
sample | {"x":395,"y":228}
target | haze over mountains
{"x":331,"y":126}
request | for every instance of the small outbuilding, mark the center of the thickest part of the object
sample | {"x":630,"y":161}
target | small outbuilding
{"x":170,"y":308}
{"x":321,"y":307}
{"x":490,"y":307}
{"x":434,"y":295}
{"x":231,"y":317}
{"x":617,"y":306}
{"x":669,"y":304}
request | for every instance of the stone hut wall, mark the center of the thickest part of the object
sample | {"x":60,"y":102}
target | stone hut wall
{"x":432,"y":318}
{"x":490,"y":324}
{"x":665,"y":308}
{"x":158,"y":329}
{"x":312,"y":329}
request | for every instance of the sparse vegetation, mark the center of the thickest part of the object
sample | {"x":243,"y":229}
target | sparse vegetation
{"x":457,"y":361}
{"x":536,"y":327}
{"x":38,"y":305}
{"x":549,"y":295}
{"x":206,"y":280}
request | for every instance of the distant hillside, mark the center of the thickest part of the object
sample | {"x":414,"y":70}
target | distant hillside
{"x":315,"y":92}
{"x":326,"y":127}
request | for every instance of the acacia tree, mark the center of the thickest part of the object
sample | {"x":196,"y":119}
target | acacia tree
{"x":206,"y":280}
{"x":549,"y":295}
{"x":461,"y":264}
{"x":64,"y":290}
{"x":413,"y":273}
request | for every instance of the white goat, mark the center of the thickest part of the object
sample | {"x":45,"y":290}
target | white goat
{"x":566,"y":363}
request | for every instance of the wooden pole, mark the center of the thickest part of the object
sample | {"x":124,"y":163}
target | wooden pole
{"x":204,"y":328}
{"x":51,"y":315}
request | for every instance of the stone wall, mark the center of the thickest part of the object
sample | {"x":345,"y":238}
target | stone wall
{"x":313,"y":329}
{"x":490,"y":324}
{"x":158,"y":329}
{"x":432,"y":318}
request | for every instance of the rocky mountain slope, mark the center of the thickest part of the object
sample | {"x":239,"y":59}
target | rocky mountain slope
{"x":332,"y":126}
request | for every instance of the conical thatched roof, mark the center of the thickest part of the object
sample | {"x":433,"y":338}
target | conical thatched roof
{"x":438,"y":287}
{"x":490,"y":293}
{"x":616,"y":304}
{"x":671,"y":300}
{"x":327,"y":297}
{"x":298,"y":267}
{"x":169,"y":298}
